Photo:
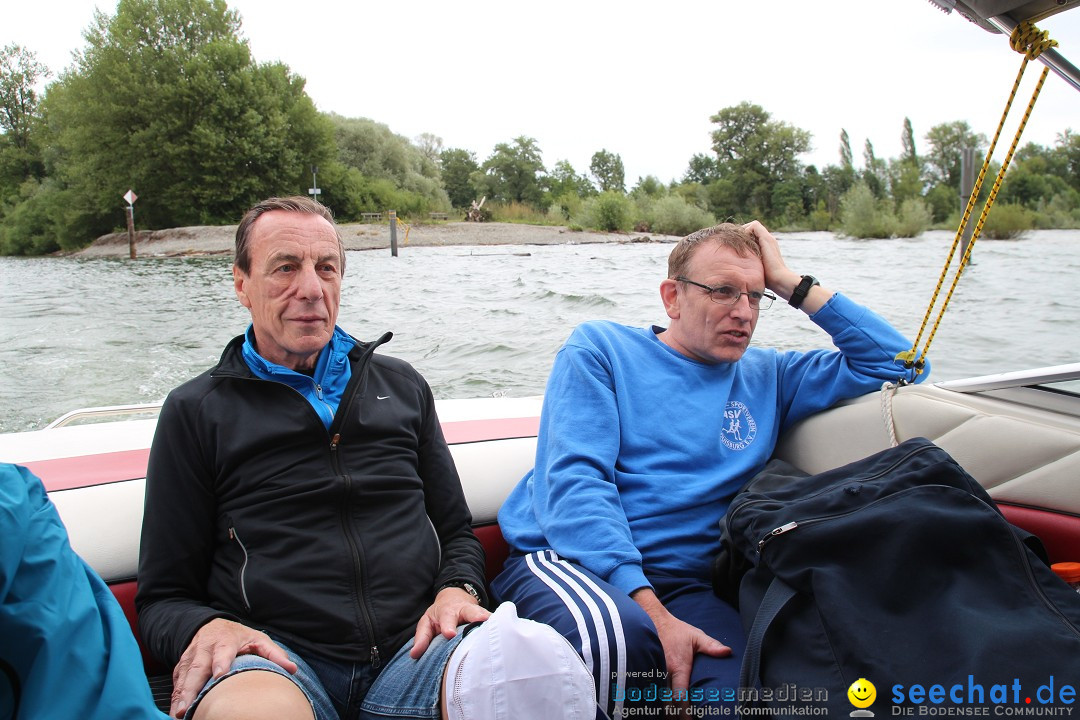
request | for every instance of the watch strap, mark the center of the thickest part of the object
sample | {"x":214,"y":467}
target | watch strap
{"x":802,"y":290}
{"x":463,"y":585}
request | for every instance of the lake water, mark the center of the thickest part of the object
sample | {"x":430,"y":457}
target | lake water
{"x":488,"y":320}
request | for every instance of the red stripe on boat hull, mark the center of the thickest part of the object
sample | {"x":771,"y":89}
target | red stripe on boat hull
{"x":469,"y":431}
{"x":87,"y":470}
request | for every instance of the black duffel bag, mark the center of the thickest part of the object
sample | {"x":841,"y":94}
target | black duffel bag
{"x":898,"y":570}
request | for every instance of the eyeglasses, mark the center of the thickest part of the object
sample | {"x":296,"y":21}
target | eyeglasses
{"x":728,"y":295}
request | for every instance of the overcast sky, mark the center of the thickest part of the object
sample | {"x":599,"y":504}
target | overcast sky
{"x":640,"y":80}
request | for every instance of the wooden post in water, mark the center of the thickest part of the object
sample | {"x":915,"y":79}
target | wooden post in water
{"x":393,"y":233}
{"x":967,"y":184}
{"x":131,"y":231}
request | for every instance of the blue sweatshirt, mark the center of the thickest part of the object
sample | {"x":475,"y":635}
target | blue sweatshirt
{"x":641,"y":448}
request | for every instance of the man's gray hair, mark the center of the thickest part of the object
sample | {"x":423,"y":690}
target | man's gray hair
{"x":294,"y":203}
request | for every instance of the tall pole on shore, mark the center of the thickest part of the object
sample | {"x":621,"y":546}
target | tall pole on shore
{"x":967,"y":184}
{"x":393,"y":233}
{"x":131,"y":197}
{"x":314,"y":190}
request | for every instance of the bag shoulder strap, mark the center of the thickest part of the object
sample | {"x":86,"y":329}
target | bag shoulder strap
{"x":774,"y":600}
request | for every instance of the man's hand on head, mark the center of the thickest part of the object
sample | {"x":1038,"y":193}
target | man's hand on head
{"x":778,"y":276}
{"x":452,"y":607}
{"x":211,"y":653}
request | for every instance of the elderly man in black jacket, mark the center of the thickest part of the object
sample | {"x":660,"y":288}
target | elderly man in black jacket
{"x":303,"y":514}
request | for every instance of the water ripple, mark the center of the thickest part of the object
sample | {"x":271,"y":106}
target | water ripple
{"x":75,"y":333}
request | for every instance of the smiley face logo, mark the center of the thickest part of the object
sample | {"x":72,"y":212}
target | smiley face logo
{"x":862,"y":693}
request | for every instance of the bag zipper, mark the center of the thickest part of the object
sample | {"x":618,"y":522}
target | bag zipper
{"x":788,"y":527}
{"x":733,"y":512}
{"x":1025,"y":560}
{"x":1021,"y":549}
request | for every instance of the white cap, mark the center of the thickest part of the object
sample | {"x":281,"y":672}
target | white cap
{"x":511,"y":668}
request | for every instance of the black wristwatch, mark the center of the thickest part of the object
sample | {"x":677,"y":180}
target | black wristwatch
{"x":462,"y":585}
{"x":801,"y":290}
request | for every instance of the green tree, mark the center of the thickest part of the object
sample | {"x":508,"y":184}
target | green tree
{"x":166,"y":99}
{"x":457,"y":166}
{"x":564,"y":180}
{"x":907,"y":144}
{"x":873,"y":170}
{"x":847,"y":159}
{"x":513,"y":172}
{"x":430,"y":147}
{"x":378,"y":153}
{"x":565,"y":191}
{"x":20,"y":72}
{"x":1068,"y":148}
{"x":905,"y":180}
{"x":905,"y":173}
{"x":862,"y":215}
{"x":20,"y":155}
{"x":946,"y":144}
{"x":607,"y":168}
{"x":649,"y":186}
{"x":672,"y":215}
{"x":837,"y":181}
{"x":609,"y":211}
{"x":757,"y":154}
{"x":702,"y":169}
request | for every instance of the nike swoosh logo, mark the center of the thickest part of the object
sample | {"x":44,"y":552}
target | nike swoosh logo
{"x":381,"y":397}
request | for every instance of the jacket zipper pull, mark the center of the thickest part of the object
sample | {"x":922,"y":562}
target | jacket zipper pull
{"x":778,"y":531}
{"x":375,"y":661}
{"x":334,"y":441}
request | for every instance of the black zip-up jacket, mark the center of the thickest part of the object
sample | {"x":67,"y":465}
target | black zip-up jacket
{"x":335,"y":541}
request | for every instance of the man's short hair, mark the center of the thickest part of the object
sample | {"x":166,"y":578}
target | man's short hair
{"x":727,"y":235}
{"x":295,"y":203}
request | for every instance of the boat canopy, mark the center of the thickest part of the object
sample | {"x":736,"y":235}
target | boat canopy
{"x":1002,"y":16}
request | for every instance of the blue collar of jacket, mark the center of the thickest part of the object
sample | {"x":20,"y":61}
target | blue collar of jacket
{"x":324,"y":388}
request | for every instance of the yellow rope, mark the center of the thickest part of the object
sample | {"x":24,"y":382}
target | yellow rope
{"x":1030,"y":41}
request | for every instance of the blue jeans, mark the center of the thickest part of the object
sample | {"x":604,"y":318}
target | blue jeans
{"x":403,"y":688}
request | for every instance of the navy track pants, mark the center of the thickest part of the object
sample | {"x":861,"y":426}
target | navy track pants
{"x":615,"y":637}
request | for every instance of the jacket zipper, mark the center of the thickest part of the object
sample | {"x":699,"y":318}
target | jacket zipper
{"x":243,"y":566}
{"x":319,"y":394}
{"x":357,"y":556}
{"x":354,"y":547}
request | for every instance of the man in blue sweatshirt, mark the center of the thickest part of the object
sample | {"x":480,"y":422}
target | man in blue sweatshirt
{"x":645,"y":436}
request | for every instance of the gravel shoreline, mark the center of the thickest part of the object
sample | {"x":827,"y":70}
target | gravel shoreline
{"x":213,"y":240}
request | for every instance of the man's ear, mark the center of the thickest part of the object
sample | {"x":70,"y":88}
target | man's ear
{"x":239,"y":281}
{"x":669,"y":294}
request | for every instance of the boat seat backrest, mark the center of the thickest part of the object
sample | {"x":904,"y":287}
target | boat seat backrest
{"x":1026,"y":456}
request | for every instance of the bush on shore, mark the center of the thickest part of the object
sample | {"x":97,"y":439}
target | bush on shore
{"x":1007,"y":222}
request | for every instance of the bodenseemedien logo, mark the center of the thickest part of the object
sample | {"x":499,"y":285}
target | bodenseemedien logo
{"x":862,"y":694}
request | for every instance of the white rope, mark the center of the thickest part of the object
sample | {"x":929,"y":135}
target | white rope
{"x":888,"y":389}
